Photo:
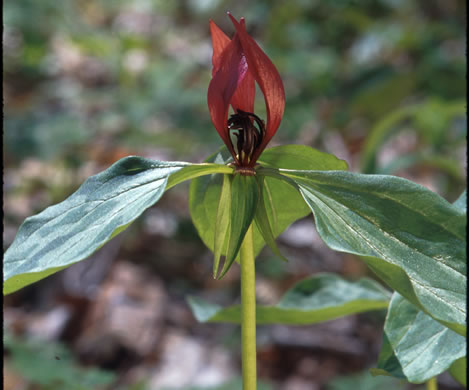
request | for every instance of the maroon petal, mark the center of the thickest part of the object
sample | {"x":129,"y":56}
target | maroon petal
{"x":230,"y":72}
{"x":268,"y":78}
{"x":244,"y":95}
{"x":219,"y":42}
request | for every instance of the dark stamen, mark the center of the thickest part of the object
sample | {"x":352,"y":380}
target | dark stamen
{"x":248,"y":136}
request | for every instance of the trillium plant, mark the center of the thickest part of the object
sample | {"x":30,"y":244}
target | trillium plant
{"x":244,"y":196}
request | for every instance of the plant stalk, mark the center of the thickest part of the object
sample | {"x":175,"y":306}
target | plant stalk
{"x":248,"y":313}
{"x":432,"y":384}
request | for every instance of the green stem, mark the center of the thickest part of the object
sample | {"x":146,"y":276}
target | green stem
{"x":248,"y":312}
{"x":432,"y":384}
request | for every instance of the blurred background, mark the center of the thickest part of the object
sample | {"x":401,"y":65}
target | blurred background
{"x":379,"y":83}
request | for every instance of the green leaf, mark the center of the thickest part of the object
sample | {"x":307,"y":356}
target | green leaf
{"x":458,"y":371}
{"x":244,"y":200}
{"x":367,"y":98}
{"x":204,"y":197}
{"x":301,"y":157}
{"x":431,"y":120}
{"x":284,"y":205}
{"x":196,"y":170}
{"x":411,"y":237}
{"x":282,"y":213}
{"x":222,"y":223}
{"x":320,"y":298}
{"x":447,"y":165}
{"x":364,"y":381}
{"x":72,"y":230}
{"x":415,"y":346}
{"x":262,"y":218}
{"x":461,"y":202}
{"x":52,"y":366}
{"x":205,"y":191}
{"x":380,"y":133}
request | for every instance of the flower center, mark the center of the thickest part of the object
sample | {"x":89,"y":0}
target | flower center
{"x":248,"y":136}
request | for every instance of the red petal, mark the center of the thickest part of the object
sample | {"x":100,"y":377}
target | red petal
{"x":219,"y":42}
{"x":267,"y":77}
{"x":228,"y":76}
{"x":243,"y":97}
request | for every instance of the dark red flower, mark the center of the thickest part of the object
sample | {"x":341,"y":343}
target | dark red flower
{"x":237,"y":64}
